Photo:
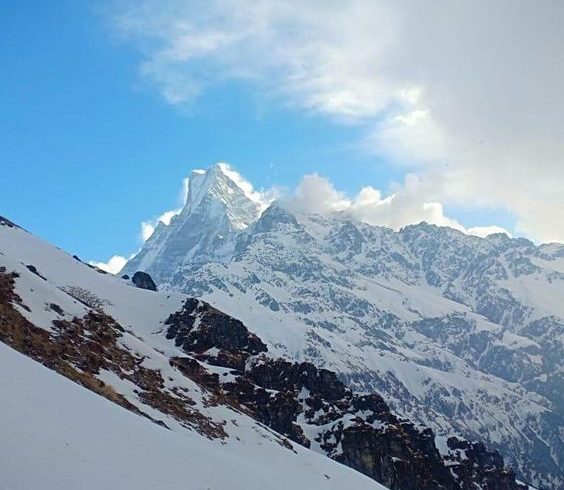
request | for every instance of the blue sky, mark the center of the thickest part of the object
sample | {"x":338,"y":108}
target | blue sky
{"x":90,"y":146}
{"x":90,"y":152}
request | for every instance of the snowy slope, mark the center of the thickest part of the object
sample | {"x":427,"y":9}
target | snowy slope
{"x":57,"y":435}
{"x":129,"y":305}
{"x":460,"y":333}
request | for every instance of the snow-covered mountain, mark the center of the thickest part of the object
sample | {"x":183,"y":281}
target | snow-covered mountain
{"x":215,"y":199}
{"x":460,"y":333}
{"x":110,"y":384}
{"x":108,"y":336}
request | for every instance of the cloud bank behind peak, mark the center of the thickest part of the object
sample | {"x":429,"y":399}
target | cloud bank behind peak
{"x":464,"y":95}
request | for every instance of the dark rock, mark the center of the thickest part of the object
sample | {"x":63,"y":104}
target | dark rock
{"x":7,"y":222}
{"x":34,"y":270}
{"x":56,"y":308}
{"x":398,"y":457}
{"x":196,"y":371}
{"x":284,"y":375}
{"x":144,"y":281}
{"x":199,"y":327}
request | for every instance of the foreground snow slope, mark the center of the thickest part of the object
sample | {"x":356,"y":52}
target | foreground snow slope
{"x":57,"y":435}
{"x":128,"y":305}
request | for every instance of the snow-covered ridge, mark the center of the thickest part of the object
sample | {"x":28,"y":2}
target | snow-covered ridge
{"x":57,"y":435}
{"x":461,"y":333}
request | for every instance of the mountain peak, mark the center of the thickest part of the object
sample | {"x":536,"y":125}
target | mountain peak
{"x":224,"y":186}
{"x":218,"y":202}
{"x":275,"y":214}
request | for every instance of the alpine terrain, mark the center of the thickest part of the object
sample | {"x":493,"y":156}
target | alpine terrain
{"x":110,"y":383}
{"x":460,"y":334}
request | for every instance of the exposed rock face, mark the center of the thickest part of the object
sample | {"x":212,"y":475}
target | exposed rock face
{"x":472,"y":460}
{"x":6,"y":222}
{"x":144,"y":281}
{"x":212,"y":335}
{"x":402,"y":456}
{"x":313,"y":408}
{"x":282,"y":375}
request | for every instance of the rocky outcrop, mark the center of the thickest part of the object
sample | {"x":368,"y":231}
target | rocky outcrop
{"x":471,"y":461}
{"x":212,"y":336}
{"x":282,"y":375}
{"x":313,"y":408}
{"x":144,"y":281}
{"x":399,"y":455}
{"x":6,"y":222}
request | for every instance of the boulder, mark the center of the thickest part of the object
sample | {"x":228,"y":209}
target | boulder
{"x":144,"y":281}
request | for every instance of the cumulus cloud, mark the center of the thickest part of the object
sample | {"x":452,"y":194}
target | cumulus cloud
{"x":406,"y":205}
{"x":148,"y":227}
{"x":113,"y":265}
{"x":484,"y":231}
{"x":467,"y":91}
{"x":316,"y":194}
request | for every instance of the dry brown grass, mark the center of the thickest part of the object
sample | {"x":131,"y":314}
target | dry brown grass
{"x":78,"y":349}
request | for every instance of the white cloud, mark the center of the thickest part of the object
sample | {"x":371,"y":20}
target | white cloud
{"x":316,"y":194}
{"x":466,"y":94}
{"x":113,"y":265}
{"x":148,"y":227}
{"x":405,"y":206}
{"x":484,"y":231}
{"x":313,"y":53}
{"x":147,"y":230}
